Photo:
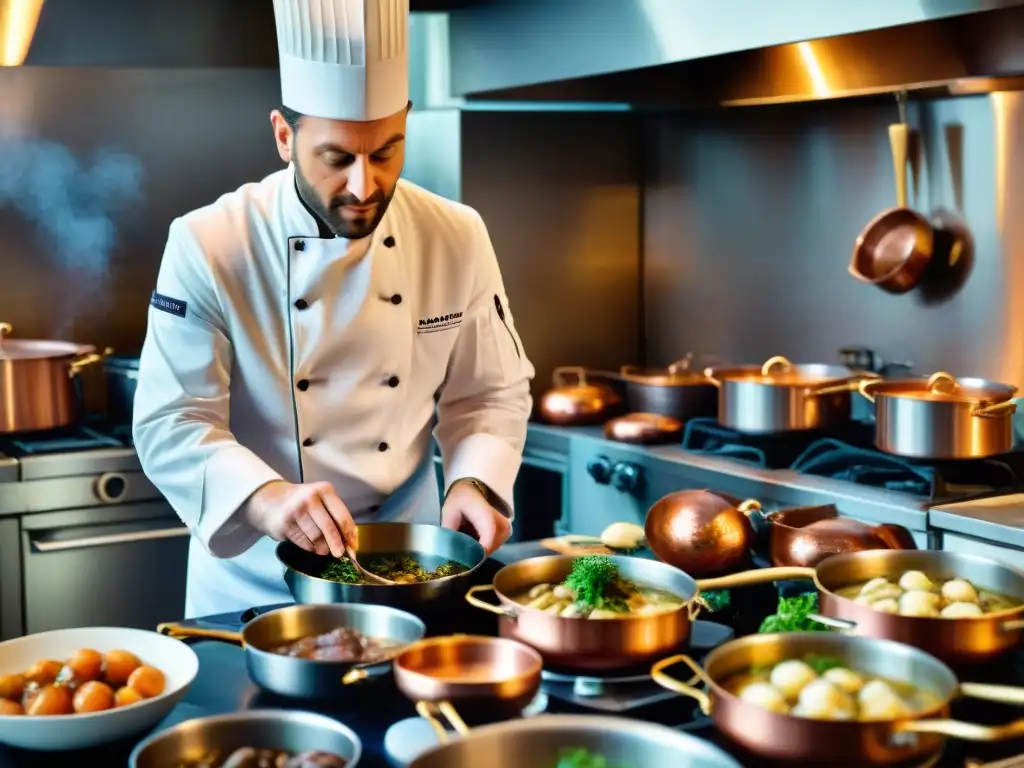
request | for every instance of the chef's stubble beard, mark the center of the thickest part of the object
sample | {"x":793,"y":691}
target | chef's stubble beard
{"x":350,"y":230}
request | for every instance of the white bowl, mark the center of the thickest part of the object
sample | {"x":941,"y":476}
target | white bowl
{"x":174,"y":658}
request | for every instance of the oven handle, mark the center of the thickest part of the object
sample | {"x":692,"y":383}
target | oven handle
{"x":113,"y":538}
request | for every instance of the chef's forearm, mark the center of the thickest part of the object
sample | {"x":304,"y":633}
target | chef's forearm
{"x":482,"y":438}
{"x":207,"y":480}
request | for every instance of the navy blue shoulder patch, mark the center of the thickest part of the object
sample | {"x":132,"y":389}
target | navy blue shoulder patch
{"x":167,"y":304}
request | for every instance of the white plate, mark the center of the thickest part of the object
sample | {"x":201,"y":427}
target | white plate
{"x":174,"y":658}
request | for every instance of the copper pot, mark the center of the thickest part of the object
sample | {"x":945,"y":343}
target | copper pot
{"x":701,"y":532}
{"x":677,"y":391}
{"x":942,"y":417}
{"x":574,"y":401}
{"x":788,"y":738}
{"x":780,"y":396}
{"x":37,"y":387}
{"x":590,"y":644}
{"x":957,"y":642}
{"x":804,"y":536}
{"x":488,"y":676}
{"x":644,"y":429}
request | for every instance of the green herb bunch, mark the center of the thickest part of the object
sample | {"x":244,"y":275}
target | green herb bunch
{"x":792,"y":615}
{"x":591,"y":579}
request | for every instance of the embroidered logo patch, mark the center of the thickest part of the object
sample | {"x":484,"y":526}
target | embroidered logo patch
{"x":167,"y":304}
{"x":439,"y":323}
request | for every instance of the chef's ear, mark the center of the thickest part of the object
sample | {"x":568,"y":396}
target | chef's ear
{"x":284,"y":135}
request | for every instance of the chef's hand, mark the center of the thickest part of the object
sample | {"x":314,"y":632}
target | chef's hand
{"x":466,"y":507}
{"x":309,"y":515}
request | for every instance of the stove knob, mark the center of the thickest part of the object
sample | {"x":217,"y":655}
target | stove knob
{"x":600,"y":468}
{"x":111,"y":487}
{"x":625,"y":476}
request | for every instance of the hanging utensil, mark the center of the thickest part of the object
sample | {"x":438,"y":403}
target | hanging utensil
{"x":894,"y":249}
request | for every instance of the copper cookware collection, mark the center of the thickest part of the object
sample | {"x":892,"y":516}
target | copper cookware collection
{"x":678,"y":392}
{"x":780,"y":396}
{"x":576,"y":400}
{"x":957,"y":642}
{"x":590,"y":644}
{"x":833,"y":742}
{"x":37,"y":381}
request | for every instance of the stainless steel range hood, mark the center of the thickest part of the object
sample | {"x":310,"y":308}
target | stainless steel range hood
{"x":731,"y":52}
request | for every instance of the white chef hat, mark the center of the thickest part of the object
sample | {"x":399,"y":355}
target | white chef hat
{"x":344,"y":59}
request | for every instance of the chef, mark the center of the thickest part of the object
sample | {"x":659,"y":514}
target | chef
{"x":309,"y":330}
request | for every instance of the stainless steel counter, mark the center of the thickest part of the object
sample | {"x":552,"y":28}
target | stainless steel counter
{"x":998,"y":520}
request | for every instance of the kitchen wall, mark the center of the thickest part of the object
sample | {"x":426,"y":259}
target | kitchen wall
{"x":95,"y":163}
{"x":750,"y":216}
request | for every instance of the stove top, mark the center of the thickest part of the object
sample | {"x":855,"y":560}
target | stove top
{"x":848,"y":454}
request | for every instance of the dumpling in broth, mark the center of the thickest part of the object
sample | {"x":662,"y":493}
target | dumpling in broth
{"x":765,"y":695}
{"x":918,"y":603}
{"x":959,"y":591}
{"x":878,"y":701}
{"x":916,"y":581}
{"x":790,"y":677}
{"x":823,"y":700}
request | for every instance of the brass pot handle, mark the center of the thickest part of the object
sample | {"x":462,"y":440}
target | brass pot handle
{"x":958,"y":729}
{"x":681,"y":365}
{"x":776,"y":362}
{"x":1001,"y":694}
{"x":669,"y":683}
{"x":563,"y":372}
{"x":178,"y":632}
{"x":1013,"y":625}
{"x":476,"y":602}
{"x":749,"y":507}
{"x":430,"y":711}
{"x":842,"y":625}
{"x":1005,"y":408}
{"x":941,"y":377}
{"x":709,"y":374}
{"x":851,"y":384}
{"x":85,"y":361}
{"x":6,"y":329}
{"x":864,"y":387}
{"x":755,"y":576}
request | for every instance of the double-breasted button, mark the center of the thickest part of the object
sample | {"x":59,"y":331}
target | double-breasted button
{"x":301,"y":304}
{"x":382,"y":447}
{"x":393,"y":381}
{"x":303,"y":385}
{"x":396,"y":299}
{"x":307,"y":442}
{"x":389,"y":242}
{"x":300,"y":245}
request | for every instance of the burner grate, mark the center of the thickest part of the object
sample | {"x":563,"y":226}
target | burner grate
{"x":58,"y":441}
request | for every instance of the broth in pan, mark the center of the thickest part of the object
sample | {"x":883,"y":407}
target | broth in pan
{"x":914,"y":593}
{"x":824,"y":689}
{"x":596,"y":590}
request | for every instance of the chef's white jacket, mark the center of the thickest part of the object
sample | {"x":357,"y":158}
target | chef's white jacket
{"x":272,"y":353}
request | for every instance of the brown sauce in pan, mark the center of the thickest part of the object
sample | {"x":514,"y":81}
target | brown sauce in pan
{"x":343,"y":644}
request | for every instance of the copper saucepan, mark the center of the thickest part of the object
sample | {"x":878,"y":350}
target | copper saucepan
{"x":591,"y":644}
{"x":644,"y":429}
{"x":804,"y":536}
{"x":577,"y":401}
{"x":942,"y":417}
{"x":679,"y":391}
{"x":488,"y":676}
{"x":895,"y":247}
{"x":957,"y":642}
{"x":786,"y":737}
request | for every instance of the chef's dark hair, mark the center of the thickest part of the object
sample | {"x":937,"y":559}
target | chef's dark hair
{"x":290,"y":116}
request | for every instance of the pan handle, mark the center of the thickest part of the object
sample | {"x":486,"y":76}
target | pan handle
{"x":899,"y":143}
{"x":780,"y":362}
{"x":754,"y":577}
{"x":864,"y":387}
{"x":842,"y":625}
{"x":6,"y":329}
{"x":1002,"y":694}
{"x":958,"y":729}
{"x":430,"y":711}
{"x":668,"y":682}
{"x":846,"y":385}
{"x":172,"y":629}
{"x":476,"y":602}
{"x":1013,"y":625}
{"x":1004,"y":408}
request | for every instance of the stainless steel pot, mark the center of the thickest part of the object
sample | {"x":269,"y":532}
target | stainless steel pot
{"x":942,"y":417}
{"x":677,"y":392}
{"x":780,"y":396}
{"x":430,"y":545}
{"x":539,"y":741}
{"x":285,"y":729}
{"x":37,"y":387}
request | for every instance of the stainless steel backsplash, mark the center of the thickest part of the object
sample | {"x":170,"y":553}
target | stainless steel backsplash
{"x":750,"y":218}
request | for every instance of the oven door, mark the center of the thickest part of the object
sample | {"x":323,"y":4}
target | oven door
{"x":118,"y":566}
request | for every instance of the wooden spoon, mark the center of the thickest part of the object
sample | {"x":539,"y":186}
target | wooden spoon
{"x":373,"y":578}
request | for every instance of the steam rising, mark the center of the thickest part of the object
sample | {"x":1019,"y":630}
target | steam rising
{"x":74,"y":204}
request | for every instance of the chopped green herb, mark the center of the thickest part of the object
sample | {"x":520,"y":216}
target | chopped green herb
{"x":822,"y":664}
{"x":400,"y":568}
{"x":578,"y":757}
{"x":791,"y":615}
{"x":590,"y":578}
